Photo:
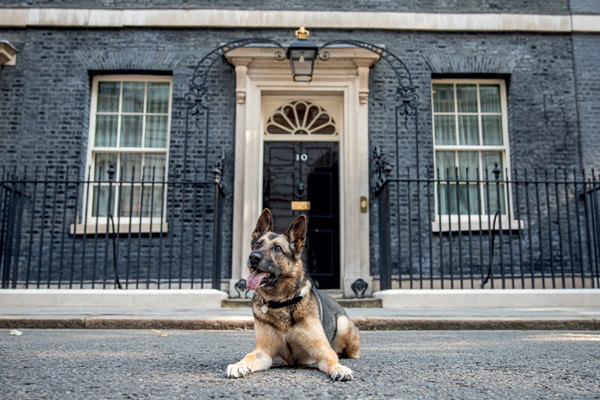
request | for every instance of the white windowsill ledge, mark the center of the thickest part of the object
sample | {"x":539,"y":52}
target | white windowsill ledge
{"x":122,"y":228}
{"x":463,"y":225}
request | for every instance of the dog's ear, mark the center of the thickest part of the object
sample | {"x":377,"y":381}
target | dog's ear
{"x":296,"y":233}
{"x":264,"y":224}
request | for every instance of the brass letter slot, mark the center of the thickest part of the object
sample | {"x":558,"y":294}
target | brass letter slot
{"x":300,"y":205}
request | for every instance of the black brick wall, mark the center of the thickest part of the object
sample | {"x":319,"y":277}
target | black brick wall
{"x":587,"y":59}
{"x":540,"y":81}
{"x":585,"y":6}
{"x":45,"y":99}
{"x":542,"y":112}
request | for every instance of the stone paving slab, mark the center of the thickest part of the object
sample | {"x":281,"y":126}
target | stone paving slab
{"x":241,"y":318}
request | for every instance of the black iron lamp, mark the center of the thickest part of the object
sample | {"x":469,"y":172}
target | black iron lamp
{"x":302,"y":54}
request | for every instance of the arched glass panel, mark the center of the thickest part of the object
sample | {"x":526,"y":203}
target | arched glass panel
{"x":301,"y":118}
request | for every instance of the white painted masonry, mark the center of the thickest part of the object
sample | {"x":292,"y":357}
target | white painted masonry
{"x":8,"y":54}
{"x":259,"y":76}
{"x":487,"y":298}
{"x":117,"y":299}
{"x":206,"y":18}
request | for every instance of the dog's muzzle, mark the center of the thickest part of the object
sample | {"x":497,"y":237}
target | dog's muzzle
{"x":257,"y":276}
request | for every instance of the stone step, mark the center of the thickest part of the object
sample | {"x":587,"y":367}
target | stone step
{"x":346,"y":303}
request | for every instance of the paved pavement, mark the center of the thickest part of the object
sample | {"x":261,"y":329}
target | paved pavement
{"x":241,"y":318}
{"x":93,"y":364}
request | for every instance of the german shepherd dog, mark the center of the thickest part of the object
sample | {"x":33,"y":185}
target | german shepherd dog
{"x":293,"y":321}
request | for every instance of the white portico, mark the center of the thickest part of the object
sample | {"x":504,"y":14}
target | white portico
{"x":340,"y":85}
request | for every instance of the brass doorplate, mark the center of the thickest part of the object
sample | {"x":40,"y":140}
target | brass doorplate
{"x":364,"y":204}
{"x":300,"y":205}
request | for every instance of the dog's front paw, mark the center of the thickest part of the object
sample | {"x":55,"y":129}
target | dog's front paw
{"x":340,"y":373}
{"x":238,"y":370}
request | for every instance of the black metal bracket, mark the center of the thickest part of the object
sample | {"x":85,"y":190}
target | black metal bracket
{"x":359,"y":287}
{"x":218,"y":169}
{"x":383,"y":169}
{"x":240,"y":286}
{"x":405,"y":91}
{"x":198,"y":97}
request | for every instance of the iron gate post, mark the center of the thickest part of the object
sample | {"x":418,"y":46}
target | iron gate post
{"x":385,"y":280}
{"x":218,"y":223}
{"x":5,"y":236}
{"x":10,"y":241}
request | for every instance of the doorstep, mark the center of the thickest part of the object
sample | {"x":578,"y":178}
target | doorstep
{"x":369,"y":302}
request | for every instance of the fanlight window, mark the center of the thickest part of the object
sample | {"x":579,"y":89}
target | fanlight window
{"x":301,"y":118}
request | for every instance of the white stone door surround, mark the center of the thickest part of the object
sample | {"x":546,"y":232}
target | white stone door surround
{"x":260,"y":76}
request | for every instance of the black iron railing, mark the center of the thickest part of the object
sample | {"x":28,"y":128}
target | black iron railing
{"x":511,"y":229}
{"x":59,"y":230}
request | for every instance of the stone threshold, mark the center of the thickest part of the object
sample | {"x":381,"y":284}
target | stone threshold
{"x":346,"y":303}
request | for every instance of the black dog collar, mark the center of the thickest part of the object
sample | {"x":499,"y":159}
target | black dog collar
{"x":281,"y":304}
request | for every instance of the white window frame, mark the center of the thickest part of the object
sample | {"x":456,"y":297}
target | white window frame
{"x":465,"y":222}
{"x":91,"y":224}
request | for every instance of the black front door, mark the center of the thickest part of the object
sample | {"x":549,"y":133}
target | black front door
{"x":304,"y":175}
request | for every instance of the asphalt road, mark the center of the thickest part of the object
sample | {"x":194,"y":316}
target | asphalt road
{"x":94,"y":364}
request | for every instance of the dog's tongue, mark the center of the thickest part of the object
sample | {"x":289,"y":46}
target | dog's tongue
{"x":254,"y":279}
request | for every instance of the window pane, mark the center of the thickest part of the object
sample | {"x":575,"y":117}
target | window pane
{"x":468,"y":201}
{"x":277,"y":124}
{"x":466,"y":96}
{"x":131,"y":201}
{"x":447,"y":199}
{"x":131,"y":163}
{"x":492,"y":130}
{"x":131,"y":131}
{"x":158,"y":98}
{"x":102,"y":162}
{"x":496,"y":192}
{"x":468,"y":130}
{"x":154,"y":165}
{"x":156,"y":131}
{"x":133,"y":97}
{"x":153,"y":198}
{"x":129,"y":205}
{"x":443,"y":98}
{"x":490,"y":98}
{"x":445,"y":164}
{"x":468,"y":162}
{"x":106,"y":130}
{"x":108,"y":96}
{"x":489,"y":159}
{"x":445,"y":131}
{"x":100,"y":205}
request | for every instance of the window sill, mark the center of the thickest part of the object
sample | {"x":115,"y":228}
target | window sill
{"x":123,"y":227}
{"x":464,"y":225}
